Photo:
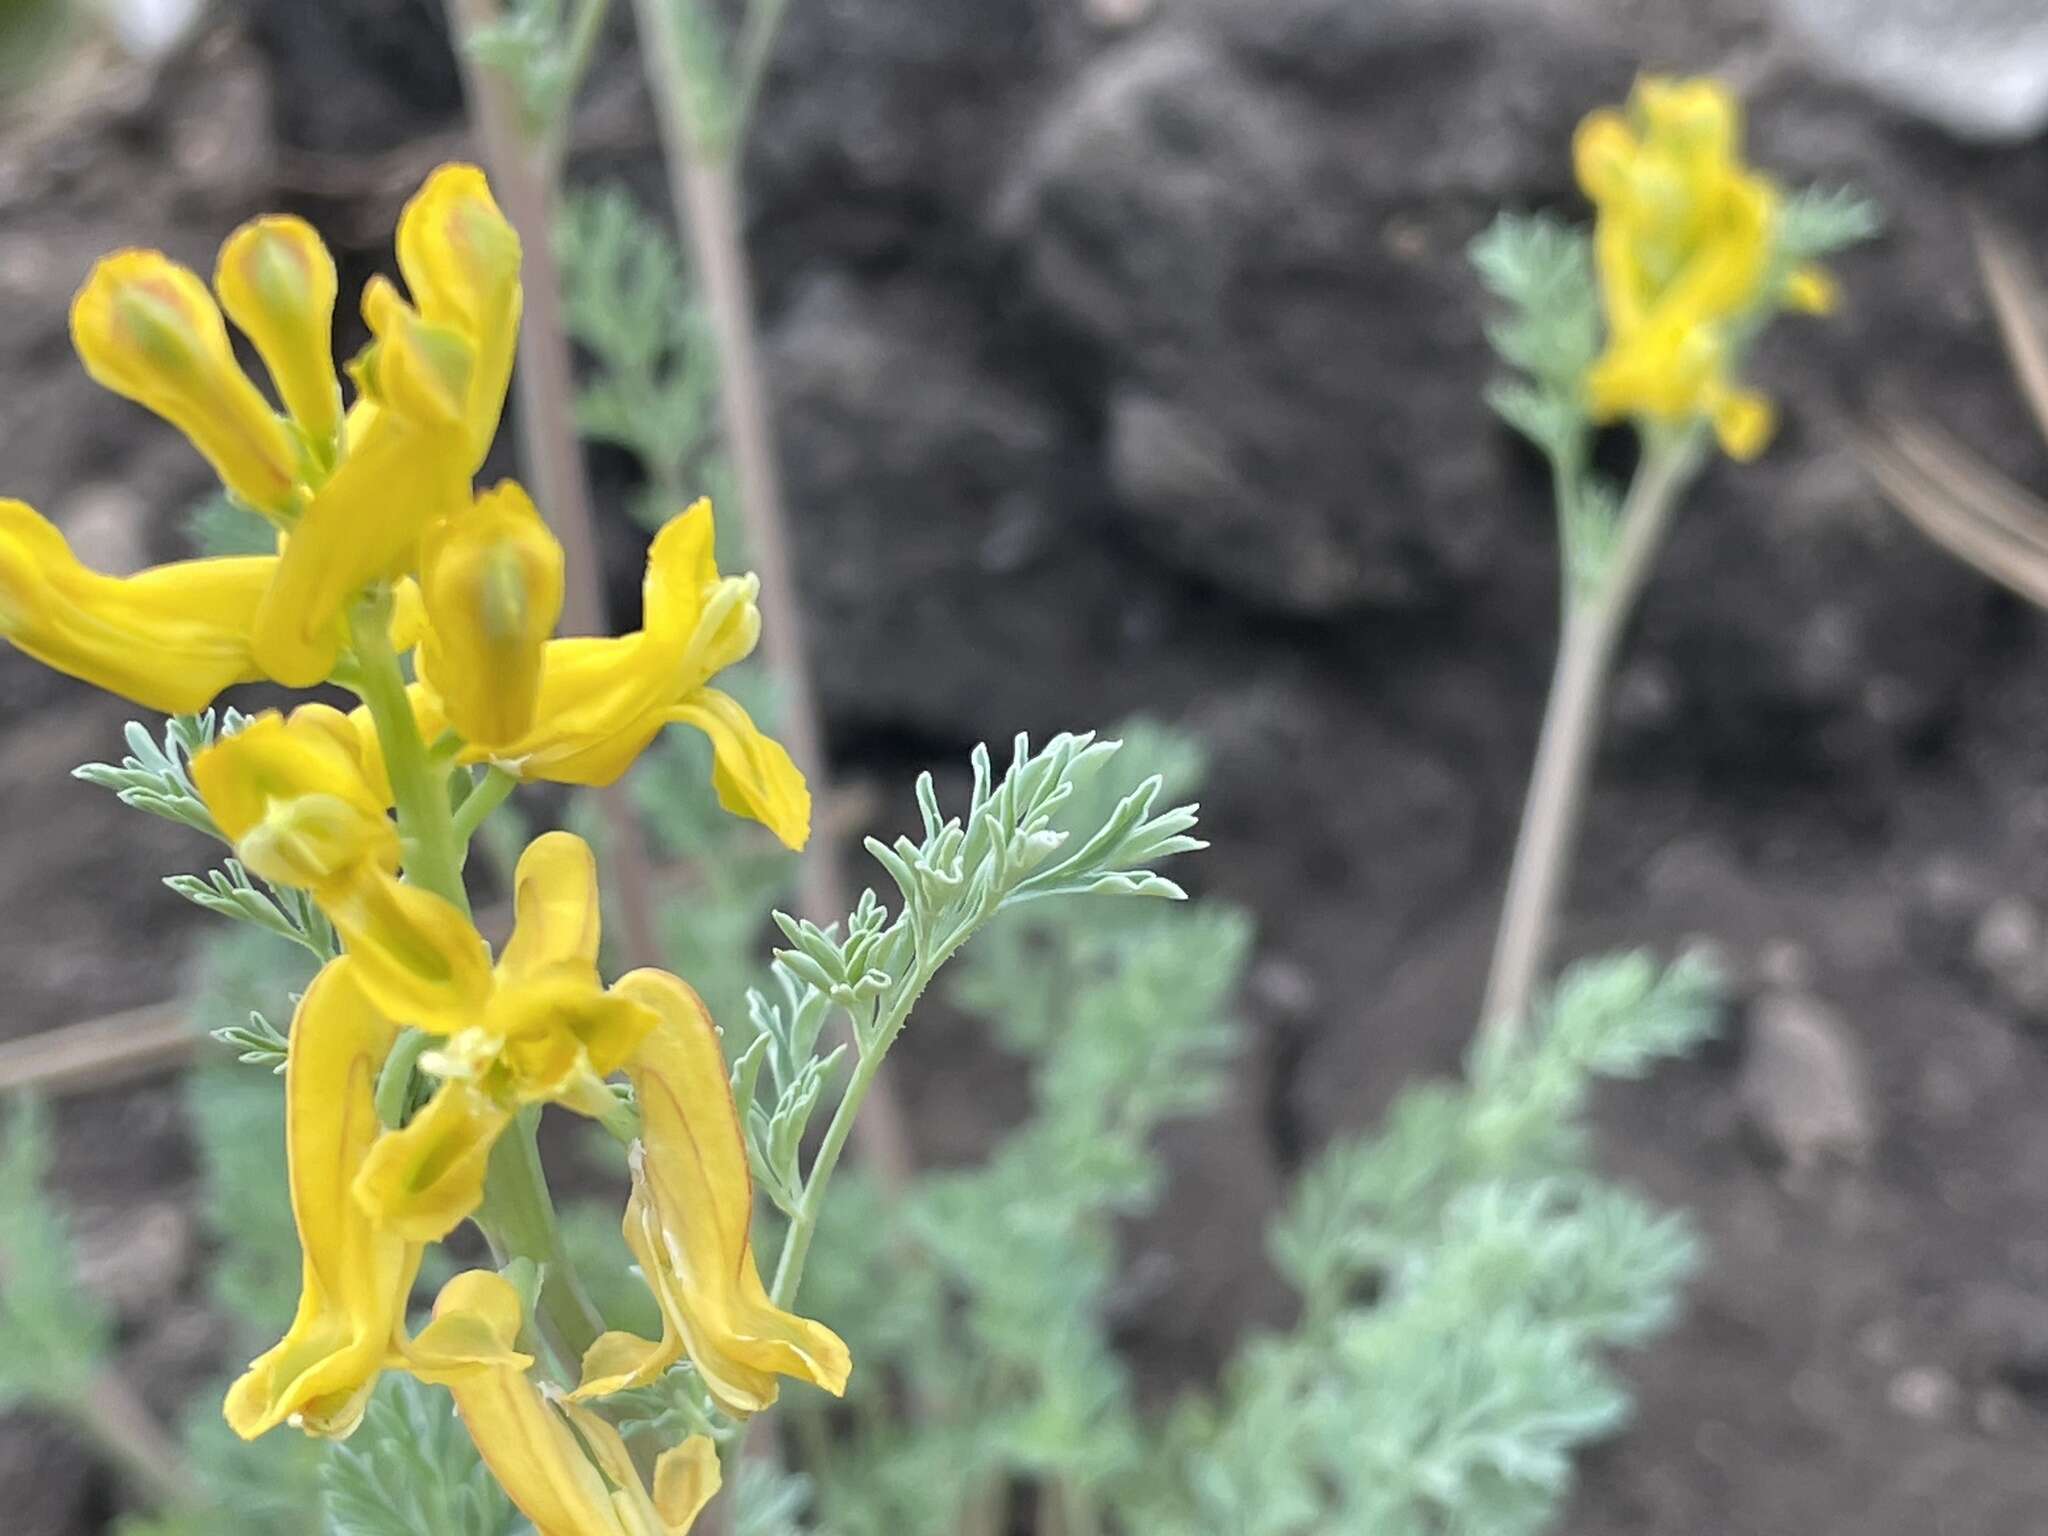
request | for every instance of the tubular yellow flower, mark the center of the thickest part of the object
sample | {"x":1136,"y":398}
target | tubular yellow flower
{"x":492,"y":582}
{"x":146,"y":328}
{"x":169,"y":638}
{"x":602,"y":700}
{"x":357,"y":1276}
{"x":460,"y":257}
{"x":1683,"y":247}
{"x":354,"y":494}
{"x":276,"y":281}
{"x":303,"y":809}
{"x":540,"y":1029}
{"x":291,"y":796}
{"x":689,"y":1223}
{"x":403,"y":471}
{"x":567,"y":1470}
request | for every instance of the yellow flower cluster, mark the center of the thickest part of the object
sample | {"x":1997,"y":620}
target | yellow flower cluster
{"x":384,"y":544}
{"x":1683,"y":245}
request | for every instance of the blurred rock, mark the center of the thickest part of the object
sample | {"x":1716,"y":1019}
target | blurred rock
{"x":394,"y":56}
{"x":2008,"y":950}
{"x":1289,"y":321}
{"x":1945,"y":900}
{"x":1805,"y":1086}
{"x":2005,"y":1333}
{"x":1924,"y":1393}
{"x":1978,"y":68}
{"x":885,"y":409}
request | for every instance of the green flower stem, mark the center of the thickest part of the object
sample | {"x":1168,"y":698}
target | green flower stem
{"x":484,"y":799}
{"x":517,"y":1215}
{"x":1593,"y":626}
{"x":433,"y":854}
{"x":518,"y":1221}
{"x":803,"y":1226}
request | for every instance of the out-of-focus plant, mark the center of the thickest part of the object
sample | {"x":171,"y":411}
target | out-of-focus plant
{"x":1953,"y":495}
{"x":1646,"y":319}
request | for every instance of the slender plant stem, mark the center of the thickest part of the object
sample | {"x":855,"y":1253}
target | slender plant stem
{"x":1593,"y":626}
{"x":426,"y":828}
{"x":750,"y":67}
{"x":517,"y":1215}
{"x":705,"y":191}
{"x":585,"y":27}
{"x":523,"y":173}
{"x":120,"y":1423}
{"x":491,"y":793}
{"x":518,"y":1220}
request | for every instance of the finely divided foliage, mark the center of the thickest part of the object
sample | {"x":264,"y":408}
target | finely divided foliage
{"x":1463,"y":1273}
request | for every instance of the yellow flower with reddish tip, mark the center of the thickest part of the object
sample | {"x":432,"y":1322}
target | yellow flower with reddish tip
{"x":357,"y":1275}
{"x":168,"y":638}
{"x":146,"y":328}
{"x":689,"y":1224}
{"x":276,"y":281}
{"x":491,"y":579}
{"x":568,"y":1471}
{"x":541,"y":1028}
{"x":1683,"y":247}
{"x":602,"y":700}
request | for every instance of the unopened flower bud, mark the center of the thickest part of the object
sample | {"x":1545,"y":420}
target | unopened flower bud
{"x":276,"y":281}
{"x":147,"y":328}
{"x":491,"y":578}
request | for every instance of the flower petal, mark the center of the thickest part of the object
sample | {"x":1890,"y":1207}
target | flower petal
{"x":492,"y":581}
{"x":146,"y":328}
{"x":554,"y":906}
{"x":416,"y":953}
{"x":167,"y":638}
{"x":276,"y":281}
{"x":752,"y":773}
{"x":356,"y":1276}
{"x":460,"y":257}
{"x":689,"y":1223}
{"x":294,"y":800}
{"x":425,"y":1179}
{"x":363,"y":525}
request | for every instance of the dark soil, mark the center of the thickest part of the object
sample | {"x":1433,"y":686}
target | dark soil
{"x":1136,"y":367}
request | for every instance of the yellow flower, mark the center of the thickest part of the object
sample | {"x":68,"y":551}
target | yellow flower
{"x":357,"y":1275}
{"x":297,"y":800}
{"x":689,"y":1222}
{"x":540,"y":1029}
{"x":276,"y":281}
{"x":169,"y":638}
{"x":146,"y":328}
{"x":1683,"y":245}
{"x":304,"y":808}
{"x":352,"y":498}
{"x":460,"y":257}
{"x":602,"y":700}
{"x":491,"y":578}
{"x":567,"y":1470}
{"x":433,"y":383}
